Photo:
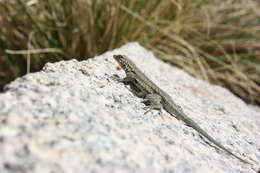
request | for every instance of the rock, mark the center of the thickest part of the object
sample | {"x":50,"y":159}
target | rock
{"x":74,"y":117}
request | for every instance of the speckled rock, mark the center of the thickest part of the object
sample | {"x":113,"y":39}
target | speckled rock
{"x":74,"y":117}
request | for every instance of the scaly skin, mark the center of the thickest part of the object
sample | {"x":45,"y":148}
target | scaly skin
{"x":142,"y":86}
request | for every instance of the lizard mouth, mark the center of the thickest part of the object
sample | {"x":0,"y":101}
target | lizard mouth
{"x":119,"y":59}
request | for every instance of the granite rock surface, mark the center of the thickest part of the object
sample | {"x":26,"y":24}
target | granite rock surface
{"x":74,"y":117}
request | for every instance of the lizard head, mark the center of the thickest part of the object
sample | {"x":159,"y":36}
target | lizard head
{"x":124,"y":62}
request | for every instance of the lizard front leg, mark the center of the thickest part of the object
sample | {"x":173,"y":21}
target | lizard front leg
{"x":126,"y":80}
{"x":131,"y":81}
{"x":153,"y":101}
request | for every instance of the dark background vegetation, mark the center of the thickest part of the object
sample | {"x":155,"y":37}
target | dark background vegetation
{"x":215,"y":40}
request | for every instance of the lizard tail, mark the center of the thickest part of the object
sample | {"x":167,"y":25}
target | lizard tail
{"x":196,"y":127}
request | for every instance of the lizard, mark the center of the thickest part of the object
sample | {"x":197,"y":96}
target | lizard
{"x":156,"y":98}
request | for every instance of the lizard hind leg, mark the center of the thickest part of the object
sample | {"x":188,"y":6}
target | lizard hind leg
{"x":153,"y":102}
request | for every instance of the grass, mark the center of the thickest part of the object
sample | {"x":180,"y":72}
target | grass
{"x":217,"y":41}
